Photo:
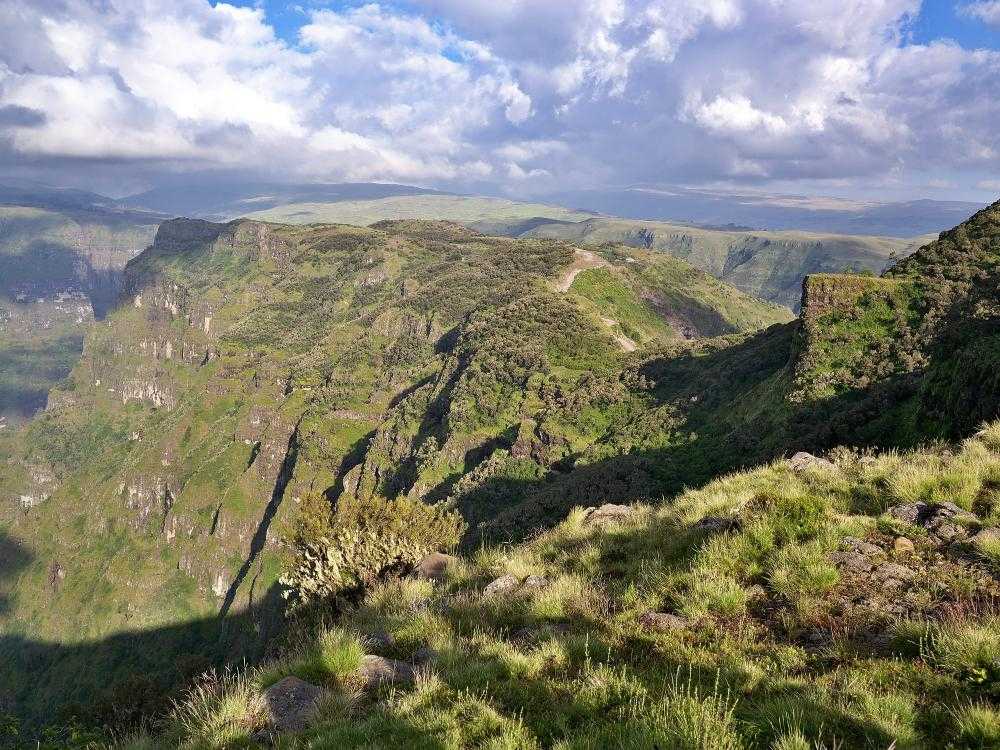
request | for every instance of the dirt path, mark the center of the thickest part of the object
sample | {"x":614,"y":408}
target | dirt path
{"x":583,"y":260}
{"x":627,"y":344}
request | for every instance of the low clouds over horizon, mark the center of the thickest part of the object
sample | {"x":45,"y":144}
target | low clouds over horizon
{"x":522,"y":97}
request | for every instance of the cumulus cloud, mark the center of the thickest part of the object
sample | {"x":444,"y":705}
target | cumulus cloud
{"x":520,"y":95}
{"x":987,"y":11}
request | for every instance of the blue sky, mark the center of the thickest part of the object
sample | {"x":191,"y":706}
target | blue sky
{"x":941,"y":19}
{"x":857,"y":98}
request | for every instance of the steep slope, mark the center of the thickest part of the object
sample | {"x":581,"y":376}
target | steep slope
{"x":338,"y":401}
{"x":254,"y":373}
{"x":768,"y":265}
{"x":808,"y":603}
{"x":61,"y":256}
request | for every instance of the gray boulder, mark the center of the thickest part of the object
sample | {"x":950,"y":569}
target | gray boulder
{"x":893,"y":572}
{"x":802,"y":461}
{"x":607,"y":513}
{"x":501,"y":585}
{"x":291,"y":704}
{"x":662,"y":621}
{"x":377,"y":670}
{"x":434,"y":566}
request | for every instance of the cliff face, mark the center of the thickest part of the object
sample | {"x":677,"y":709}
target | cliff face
{"x":258,"y":382}
{"x":59,"y":269}
{"x":253,"y":369}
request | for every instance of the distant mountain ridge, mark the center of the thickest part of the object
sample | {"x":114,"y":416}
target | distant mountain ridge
{"x":771,"y":212}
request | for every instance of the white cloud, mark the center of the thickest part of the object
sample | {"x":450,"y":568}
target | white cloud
{"x":987,"y":11}
{"x":523,"y":92}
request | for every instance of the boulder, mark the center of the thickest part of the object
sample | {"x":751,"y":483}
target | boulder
{"x":903,"y":546}
{"x":911,"y":513}
{"x":433,"y":567}
{"x":379,"y":640}
{"x":291,"y":703}
{"x":802,"y":461}
{"x":717,"y":524}
{"x":865,"y":548}
{"x":607,"y":513}
{"x":857,"y":556}
{"x":501,"y":585}
{"x":893,"y":572}
{"x":852,"y":561}
{"x":662,"y":621}
{"x":534,"y":582}
{"x":377,"y":670}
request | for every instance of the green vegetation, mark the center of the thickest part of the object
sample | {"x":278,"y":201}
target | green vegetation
{"x":327,"y":404}
{"x":764,"y":264}
{"x":780,"y":644}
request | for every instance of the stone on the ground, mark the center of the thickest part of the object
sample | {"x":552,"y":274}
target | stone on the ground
{"x":423,"y":655}
{"x":607,"y":513}
{"x":717,"y":524}
{"x":501,"y":585}
{"x":377,"y":670}
{"x":887,"y":572}
{"x":802,"y":461}
{"x":379,"y":640}
{"x":911,"y":513}
{"x":903,"y":546}
{"x":865,"y":548}
{"x":535,"y":582}
{"x":291,"y":703}
{"x":662,"y":621}
{"x":433,"y":566}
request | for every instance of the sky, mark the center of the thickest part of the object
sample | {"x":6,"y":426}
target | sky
{"x":889,"y":99}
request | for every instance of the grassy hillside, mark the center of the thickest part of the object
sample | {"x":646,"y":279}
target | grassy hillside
{"x":257,"y":377}
{"x":768,"y":265}
{"x":328,"y":405}
{"x":488,"y":215}
{"x":57,"y":267}
{"x":798,"y":605}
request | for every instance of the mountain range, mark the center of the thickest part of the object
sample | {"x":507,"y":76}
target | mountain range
{"x":275,"y":422}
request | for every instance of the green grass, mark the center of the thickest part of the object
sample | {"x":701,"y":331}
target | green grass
{"x":569,"y":666}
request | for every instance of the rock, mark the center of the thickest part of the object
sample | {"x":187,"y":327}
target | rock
{"x":902,"y":546}
{"x":852,"y":561}
{"x":423,"y":655}
{"x":717,"y":524}
{"x":662,"y":621}
{"x":377,"y":670}
{"x":379,"y":641}
{"x":291,"y":703}
{"x":864,"y":548}
{"x":501,"y":585}
{"x":911,"y":513}
{"x":433,"y":567}
{"x":756,"y":592}
{"x":802,"y":461}
{"x":608,"y":513}
{"x":894,"y":572}
{"x":535,"y":582}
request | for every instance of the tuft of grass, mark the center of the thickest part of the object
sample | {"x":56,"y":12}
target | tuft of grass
{"x":977,"y":726}
{"x":331,"y":655}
